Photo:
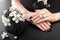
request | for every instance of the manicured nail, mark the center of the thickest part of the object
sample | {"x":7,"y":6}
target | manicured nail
{"x":30,"y":17}
{"x":43,"y":30}
{"x":49,"y":30}
{"x":30,"y":21}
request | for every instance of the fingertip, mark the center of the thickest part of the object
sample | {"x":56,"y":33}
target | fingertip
{"x":40,"y":27}
{"x":49,"y":30}
{"x":48,"y":23}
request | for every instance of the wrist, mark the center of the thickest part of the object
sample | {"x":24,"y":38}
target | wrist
{"x":25,"y":11}
{"x":57,"y":15}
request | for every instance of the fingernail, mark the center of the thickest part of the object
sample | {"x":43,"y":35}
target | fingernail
{"x":49,"y":30}
{"x":51,"y":25}
{"x":30,"y":21}
{"x":43,"y":30}
{"x":30,"y":17}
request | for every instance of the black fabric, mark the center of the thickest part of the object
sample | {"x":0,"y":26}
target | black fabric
{"x":55,"y":5}
{"x":38,"y":5}
{"x":33,"y":33}
{"x":28,"y":4}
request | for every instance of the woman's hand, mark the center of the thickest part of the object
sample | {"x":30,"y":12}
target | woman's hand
{"x":49,"y":17}
{"x":44,"y":26}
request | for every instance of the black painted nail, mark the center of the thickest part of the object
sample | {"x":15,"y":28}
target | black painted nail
{"x":30,"y":21}
{"x":49,"y":30}
{"x":30,"y":17}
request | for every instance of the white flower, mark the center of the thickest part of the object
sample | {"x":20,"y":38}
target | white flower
{"x":4,"y":35}
{"x":39,"y":0}
{"x":5,"y":21}
{"x":45,"y":1}
{"x":18,"y":18}
{"x":16,"y":15}
{"x":15,"y":37}
{"x":13,"y":13}
{"x":12,"y":9}
{"x":23,"y":17}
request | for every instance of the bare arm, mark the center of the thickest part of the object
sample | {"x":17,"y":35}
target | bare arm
{"x":17,"y":4}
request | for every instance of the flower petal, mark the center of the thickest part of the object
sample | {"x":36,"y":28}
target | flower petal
{"x":5,"y":24}
{"x":15,"y":37}
{"x":16,"y":21}
{"x":9,"y":24}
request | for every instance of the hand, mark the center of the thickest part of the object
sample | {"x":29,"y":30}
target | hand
{"x":44,"y":26}
{"x":50,"y":17}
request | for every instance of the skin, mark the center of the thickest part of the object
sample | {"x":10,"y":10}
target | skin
{"x":51,"y":17}
{"x":45,"y":25}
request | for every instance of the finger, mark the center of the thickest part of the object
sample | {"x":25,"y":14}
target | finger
{"x":36,"y":19}
{"x":43,"y":26}
{"x":35,"y":16}
{"x":31,"y":15}
{"x":39,"y":26}
{"x":42,"y":20}
{"x":46,"y":25}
